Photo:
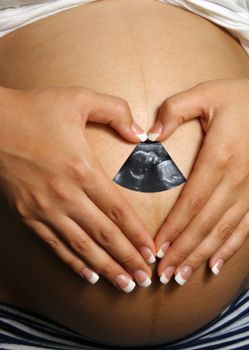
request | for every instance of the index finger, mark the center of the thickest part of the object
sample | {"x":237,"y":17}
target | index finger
{"x":106,"y":196}
{"x":198,"y":189}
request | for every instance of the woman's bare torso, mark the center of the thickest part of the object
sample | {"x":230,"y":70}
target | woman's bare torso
{"x":143,"y":51}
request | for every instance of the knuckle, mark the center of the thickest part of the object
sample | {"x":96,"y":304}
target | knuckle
{"x":178,"y":252}
{"x":197,"y":258}
{"x":40,"y":203}
{"x":57,"y":189}
{"x":205,"y":87}
{"x":122,"y":105}
{"x":224,"y":231}
{"x":196,"y":203}
{"x":105,"y":236}
{"x":116,"y":212}
{"x":81,"y":245}
{"x":22,"y":211}
{"x":130,"y":260}
{"x":169,"y":107}
{"x":205,"y":227}
{"x":81,"y":171}
{"x":53,"y":243}
{"x":191,"y":202}
{"x":223,"y":159}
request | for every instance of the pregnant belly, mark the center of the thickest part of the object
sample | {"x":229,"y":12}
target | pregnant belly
{"x":143,"y":51}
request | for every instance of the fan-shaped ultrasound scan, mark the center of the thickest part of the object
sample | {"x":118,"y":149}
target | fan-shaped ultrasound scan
{"x":149,"y":168}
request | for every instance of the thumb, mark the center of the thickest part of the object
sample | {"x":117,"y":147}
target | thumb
{"x":178,"y":109}
{"x":115,"y":111}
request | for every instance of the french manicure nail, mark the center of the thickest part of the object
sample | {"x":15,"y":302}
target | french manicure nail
{"x":148,"y":255}
{"x":142,"y":278}
{"x":155,"y":131}
{"x":90,"y":275}
{"x":139,"y":132}
{"x":217,"y":266}
{"x":153,"y":136}
{"x":143,"y":137}
{"x":125,"y":283}
{"x":164,"y":247}
{"x":167,"y":274}
{"x":183,"y":275}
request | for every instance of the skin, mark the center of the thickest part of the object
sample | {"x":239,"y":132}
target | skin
{"x":61,"y":204}
{"x":114,"y":51}
{"x":212,"y":223}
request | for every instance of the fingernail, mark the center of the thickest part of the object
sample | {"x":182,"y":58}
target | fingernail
{"x":125,"y":283}
{"x":142,"y":278}
{"x":183,"y":275}
{"x":155,"y":131}
{"x":148,"y":255}
{"x":167,"y":274}
{"x":153,"y":136}
{"x":90,"y":275}
{"x":162,"y":250}
{"x":217,"y":266}
{"x":139,"y":132}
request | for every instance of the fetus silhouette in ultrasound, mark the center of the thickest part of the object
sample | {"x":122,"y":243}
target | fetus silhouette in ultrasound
{"x":149,"y":168}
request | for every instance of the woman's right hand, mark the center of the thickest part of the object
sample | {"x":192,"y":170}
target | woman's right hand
{"x":55,"y":185}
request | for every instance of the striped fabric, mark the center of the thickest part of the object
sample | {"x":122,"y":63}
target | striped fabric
{"x":20,"y":330}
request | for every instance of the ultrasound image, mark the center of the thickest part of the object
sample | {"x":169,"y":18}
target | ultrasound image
{"x":149,"y":168}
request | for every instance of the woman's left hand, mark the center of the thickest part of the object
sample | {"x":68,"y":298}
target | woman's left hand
{"x":210,"y":220}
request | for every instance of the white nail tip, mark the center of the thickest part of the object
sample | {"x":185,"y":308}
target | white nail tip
{"x":153,"y":136}
{"x":164,"y":279}
{"x":145,"y":283}
{"x":94,"y":278}
{"x":130,"y":287}
{"x":160,"y":254}
{"x":151,"y":259}
{"x":215,"y":270}
{"x":142,"y":137}
{"x":179,"y":279}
